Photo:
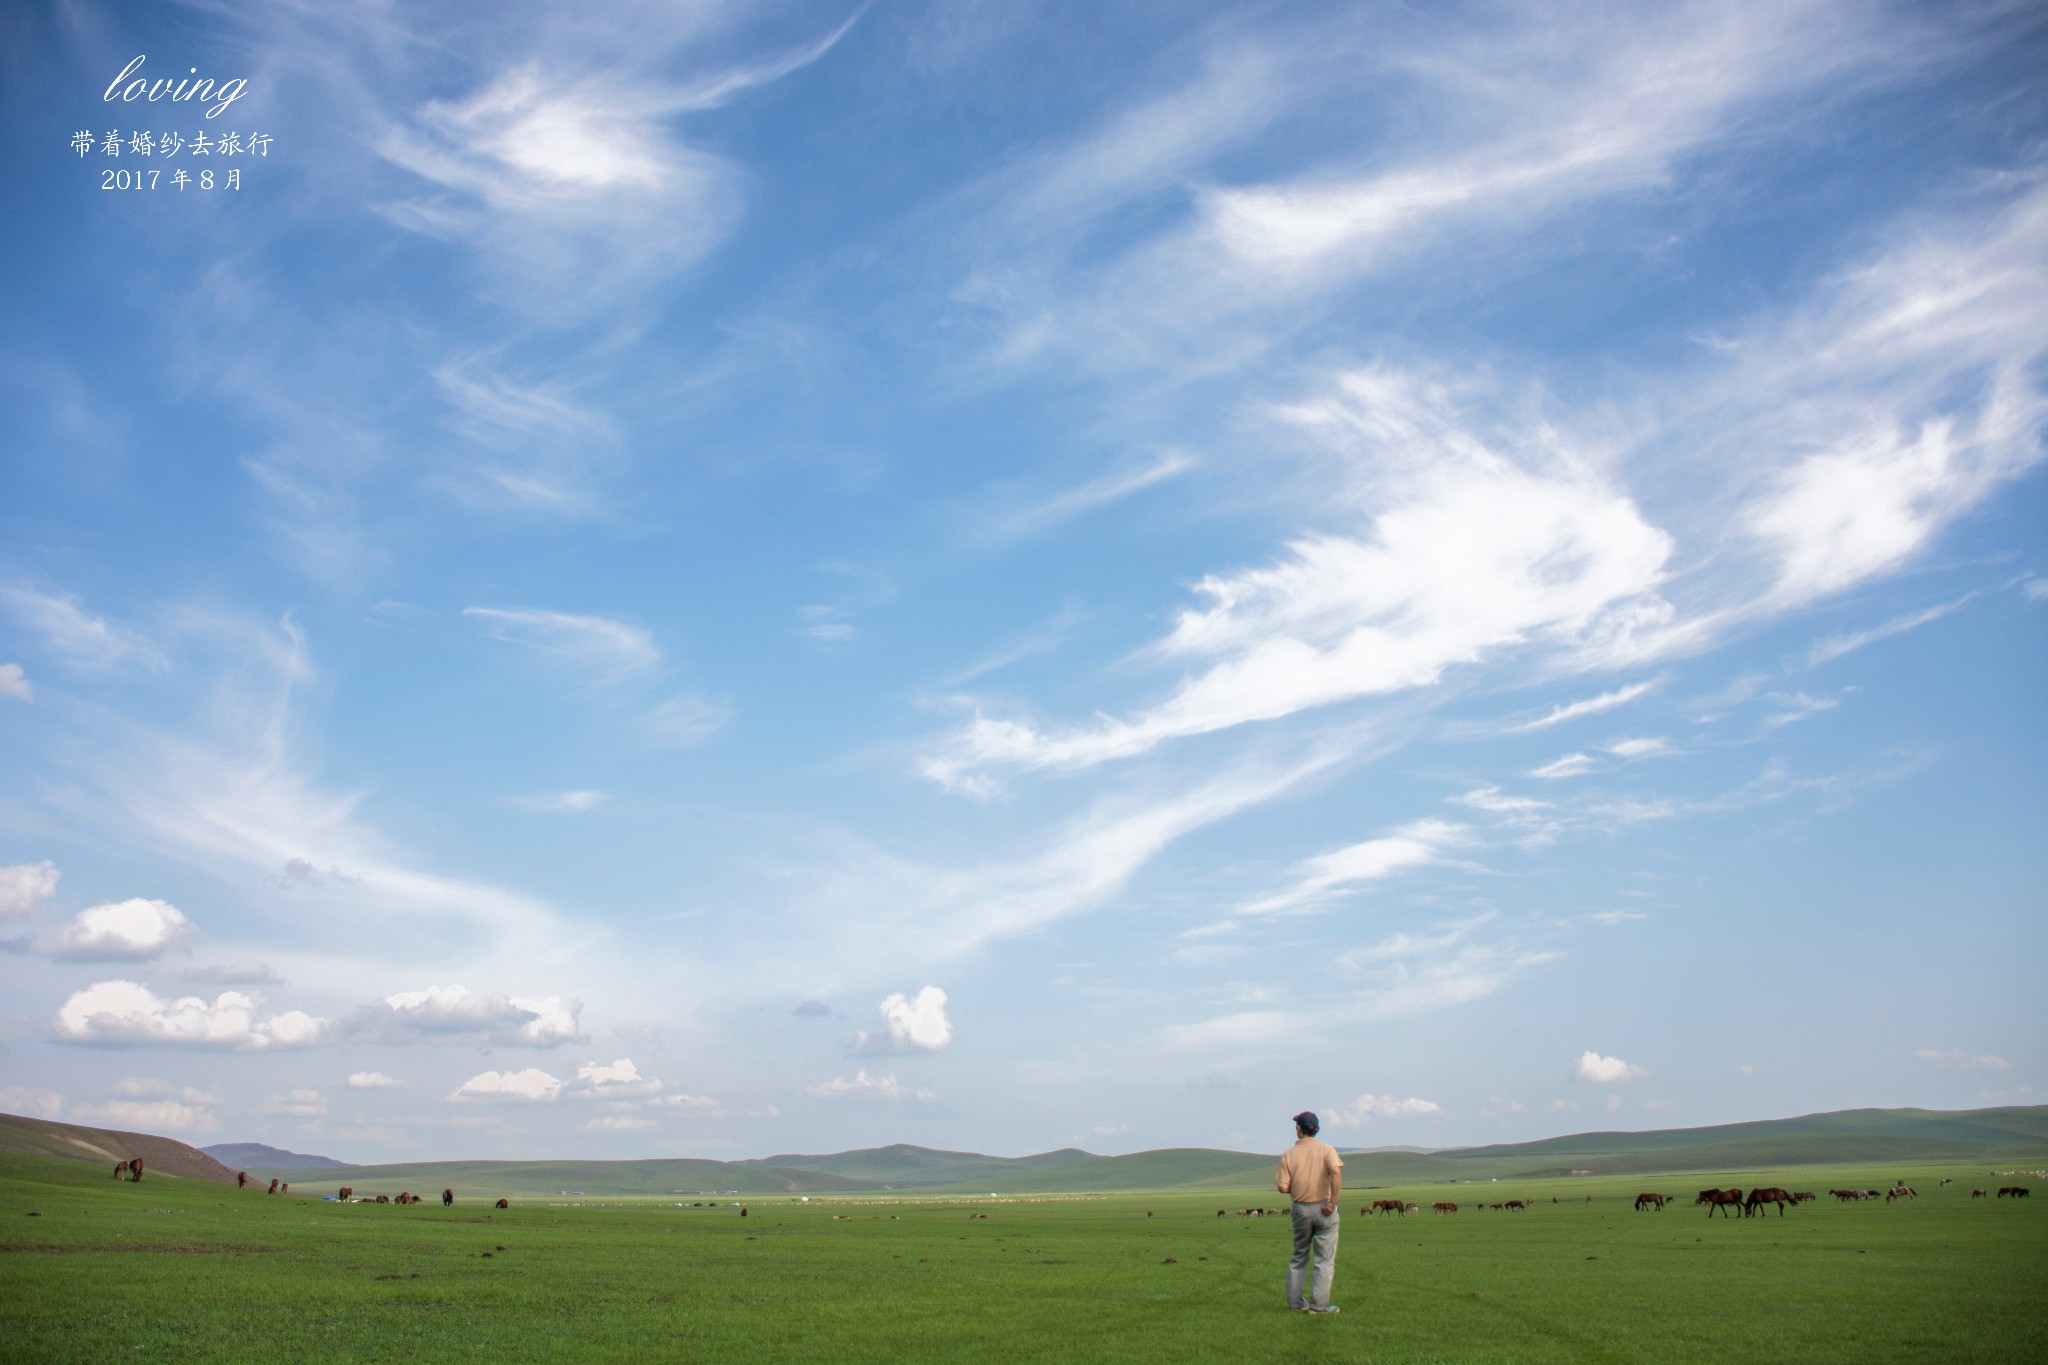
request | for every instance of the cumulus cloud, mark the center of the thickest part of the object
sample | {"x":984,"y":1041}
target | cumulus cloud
{"x":372,"y":1080}
{"x":304,"y":1104}
{"x":116,"y":1012}
{"x":131,"y":930}
{"x":14,"y":683}
{"x":1369,"y":1106}
{"x":456,"y":1012}
{"x":699,"y":1104}
{"x":862,"y":1086}
{"x":31,"y":1101}
{"x":25,"y":887}
{"x":149,"y":1116}
{"x":910,"y":1024}
{"x":531,"y":1086}
{"x":619,"y":1080}
{"x":1591,"y":1066}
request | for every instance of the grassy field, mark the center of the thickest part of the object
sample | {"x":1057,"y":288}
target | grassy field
{"x":187,"y":1271}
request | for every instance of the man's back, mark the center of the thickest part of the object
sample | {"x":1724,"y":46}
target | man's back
{"x":1308,"y":1171}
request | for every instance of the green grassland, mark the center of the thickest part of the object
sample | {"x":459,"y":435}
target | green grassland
{"x":185,"y":1270}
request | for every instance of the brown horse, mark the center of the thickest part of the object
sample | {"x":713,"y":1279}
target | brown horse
{"x":1517,"y":1205}
{"x":1719,"y":1199}
{"x":504,"y":1204}
{"x":1443,"y":1206}
{"x":1388,"y":1206}
{"x":1900,"y":1192}
{"x":447,"y":1199}
{"x":241,"y":1179}
{"x":1766,"y":1194}
{"x":130,"y":1169}
{"x":1650,"y":1201}
{"x":347,"y":1194}
{"x":273,"y":1186}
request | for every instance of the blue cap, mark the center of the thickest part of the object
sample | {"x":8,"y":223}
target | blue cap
{"x":1308,"y":1121}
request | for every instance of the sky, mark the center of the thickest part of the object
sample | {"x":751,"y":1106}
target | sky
{"x":717,"y":579}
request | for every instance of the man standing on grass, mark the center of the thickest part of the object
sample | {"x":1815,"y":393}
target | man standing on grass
{"x":1313,"y":1174}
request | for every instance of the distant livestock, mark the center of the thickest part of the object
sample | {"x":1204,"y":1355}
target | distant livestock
{"x":503,"y":1204}
{"x":1443,"y":1206}
{"x":347,"y":1194}
{"x":2004,"y":1191}
{"x":131,"y":1169}
{"x":1386,"y":1206}
{"x":241,"y":1179}
{"x":447,"y":1199}
{"x":1517,"y":1205}
{"x":1650,"y":1201}
{"x":382,"y":1199}
{"x":1723,"y":1200}
{"x":1766,"y":1194}
{"x":273,"y":1186}
{"x":1899,"y":1192}
{"x":1976,"y":1194}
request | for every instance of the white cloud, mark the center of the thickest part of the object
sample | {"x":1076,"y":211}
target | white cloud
{"x":1468,"y":553}
{"x":597,"y":646}
{"x":619,"y":1080}
{"x":1797,"y":706}
{"x":130,"y":930}
{"x":235,"y":974}
{"x":129,"y":1012}
{"x":555,"y":803}
{"x":304,"y":1104}
{"x":88,"y":641}
{"x":1101,"y":492}
{"x":619,"y":1123}
{"x":1416,"y":844}
{"x":24,"y":888}
{"x":1568,"y":711}
{"x":1613,"y":916}
{"x":1493,"y":801}
{"x":911,"y":1024}
{"x":149,"y":1116}
{"x":1639,"y":747}
{"x":1956,"y":1057}
{"x":372,"y":1080}
{"x":458,"y":1012}
{"x":531,"y":1086}
{"x":1835,"y":646}
{"x":1366,"y":1107}
{"x":685,"y":719}
{"x":862,"y":1086}
{"x":31,"y":1102}
{"x":14,"y":683}
{"x":699,"y":1104}
{"x":1591,"y":1066}
{"x":1571,"y":765}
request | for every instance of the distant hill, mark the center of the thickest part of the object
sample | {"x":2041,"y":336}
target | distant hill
{"x":250,"y":1154}
{"x":160,"y":1155}
{"x":1876,"y":1137}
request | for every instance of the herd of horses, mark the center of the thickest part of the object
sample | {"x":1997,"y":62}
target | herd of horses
{"x":347,"y":1195}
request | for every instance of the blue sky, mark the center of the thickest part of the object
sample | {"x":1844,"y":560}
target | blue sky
{"x":715,"y":579}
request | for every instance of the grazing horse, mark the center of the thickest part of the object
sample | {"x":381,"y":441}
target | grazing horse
{"x":2014,"y":1191}
{"x":1719,"y":1199}
{"x":273,"y":1186}
{"x":382,"y":1199}
{"x":1899,"y":1192}
{"x":1517,"y":1205}
{"x":241,"y":1179}
{"x":1389,"y":1206}
{"x":285,"y":1188}
{"x":1976,"y":1194}
{"x":1443,"y":1206}
{"x":1803,"y":1196}
{"x":130,"y":1169}
{"x":447,"y":1199}
{"x":1651,"y":1201}
{"x":504,"y":1204}
{"x":1766,"y":1194}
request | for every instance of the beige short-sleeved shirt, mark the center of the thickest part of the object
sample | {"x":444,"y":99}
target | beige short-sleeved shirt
{"x":1308,"y":1170}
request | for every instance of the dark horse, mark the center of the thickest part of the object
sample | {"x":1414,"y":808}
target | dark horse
{"x":1649,"y":1201}
{"x":130,"y":1169}
{"x":1719,"y":1199}
{"x":1766,"y":1194}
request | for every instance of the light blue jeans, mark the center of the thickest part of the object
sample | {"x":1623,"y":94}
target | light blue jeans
{"x":1314,"y":1231}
